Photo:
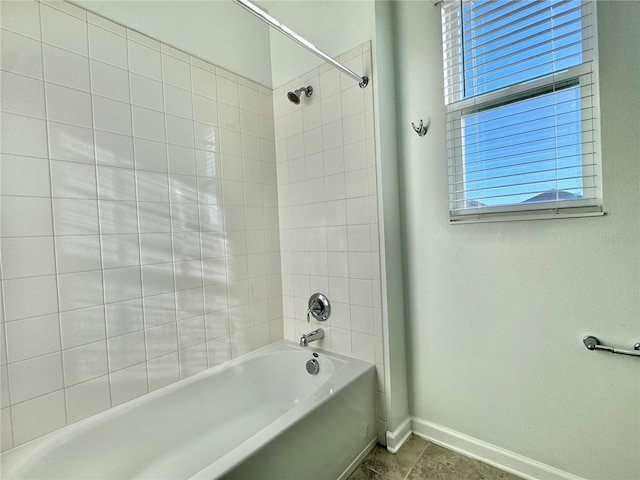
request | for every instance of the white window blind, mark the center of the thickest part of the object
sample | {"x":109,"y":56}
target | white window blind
{"x":522,"y":108}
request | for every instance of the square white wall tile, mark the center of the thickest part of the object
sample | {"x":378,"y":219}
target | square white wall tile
{"x":118,"y":217}
{"x":37,"y":417}
{"x":146,"y":92}
{"x":128,"y":383}
{"x":178,"y":101}
{"x":219,"y":350}
{"x":116,"y":183}
{"x":23,"y":136}
{"x":150,"y":155}
{"x":73,"y":180}
{"x":22,"y":95}
{"x":84,"y":363}
{"x":78,"y":253}
{"x":113,"y":149}
{"x":148,"y":124}
{"x":32,"y":337}
{"x":71,"y":143}
{"x":81,"y":327}
{"x":161,"y":340}
{"x":112,"y":115}
{"x":88,"y":398}
{"x":22,"y":17}
{"x":227,"y":91}
{"x":180,"y":131}
{"x":107,"y":46}
{"x":182,"y":161}
{"x":125,"y":351}
{"x":27,"y":257}
{"x":35,"y":377}
{"x":75,"y":217}
{"x":63,"y":30}
{"x":159,"y":309}
{"x":154,"y":217}
{"x":120,"y":251}
{"x":205,"y":109}
{"x":176,"y":72}
{"x":240,"y":342}
{"x":203,"y":82}
{"x":68,"y":105}
{"x":80,"y":290}
{"x":24,"y":177}
{"x":163,"y":371}
{"x":193,"y":360}
{"x":20,"y":54}
{"x":155,"y":248}
{"x":145,"y":61}
{"x":109,"y":81}
{"x":124,"y":317}
{"x":122,"y":284}
{"x":189,"y":303}
{"x":66,"y":68}
{"x":157,"y":279}
{"x":21,"y":302}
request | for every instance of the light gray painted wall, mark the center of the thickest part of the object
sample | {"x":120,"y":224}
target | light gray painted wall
{"x":497,"y":311}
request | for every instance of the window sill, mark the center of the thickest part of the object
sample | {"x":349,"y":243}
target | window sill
{"x":522,"y":216}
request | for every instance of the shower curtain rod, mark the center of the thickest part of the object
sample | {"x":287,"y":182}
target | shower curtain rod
{"x":363,"y":81}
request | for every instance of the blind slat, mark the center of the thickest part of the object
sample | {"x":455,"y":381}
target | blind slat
{"x":519,"y":26}
{"x":501,"y":178}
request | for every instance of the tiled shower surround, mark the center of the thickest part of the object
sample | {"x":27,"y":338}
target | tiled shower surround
{"x":146,"y":220}
{"x":140,"y":240}
{"x":328,"y":209}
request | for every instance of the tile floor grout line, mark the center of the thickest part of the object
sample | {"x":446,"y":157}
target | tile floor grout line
{"x":416,"y":462}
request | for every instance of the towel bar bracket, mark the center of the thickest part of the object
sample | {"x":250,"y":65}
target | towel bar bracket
{"x":592,"y":343}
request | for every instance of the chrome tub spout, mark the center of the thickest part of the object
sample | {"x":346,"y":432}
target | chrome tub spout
{"x":305,"y":340}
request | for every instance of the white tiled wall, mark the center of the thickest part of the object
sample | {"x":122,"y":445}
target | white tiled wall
{"x":139,"y":235}
{"x":328,"y":199}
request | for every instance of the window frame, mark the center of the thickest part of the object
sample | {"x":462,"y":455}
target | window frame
{"x":585,"y":75}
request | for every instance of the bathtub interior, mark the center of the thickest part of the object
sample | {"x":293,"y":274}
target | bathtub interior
{"x":186,"y":427}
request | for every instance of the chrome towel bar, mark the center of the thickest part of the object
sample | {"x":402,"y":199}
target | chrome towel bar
{"x":592,"y":343}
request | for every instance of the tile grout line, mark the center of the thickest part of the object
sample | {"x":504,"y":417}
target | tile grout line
{"x":417,"y":460}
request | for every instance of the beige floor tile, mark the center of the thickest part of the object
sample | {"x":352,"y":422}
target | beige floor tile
{"x":437,"y":463}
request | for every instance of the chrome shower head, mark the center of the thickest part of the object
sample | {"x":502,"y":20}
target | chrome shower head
{"x":294,"y":97}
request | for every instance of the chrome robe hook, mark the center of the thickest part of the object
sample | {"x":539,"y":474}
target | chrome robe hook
{"x":422,"y":129}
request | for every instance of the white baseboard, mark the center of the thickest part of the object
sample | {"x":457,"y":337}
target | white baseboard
{"x":400,"y":435}
{"x":352,"y":467}
{"x":472,"y":447}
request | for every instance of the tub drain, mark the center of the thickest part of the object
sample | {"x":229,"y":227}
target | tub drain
{"x":313,"y":367}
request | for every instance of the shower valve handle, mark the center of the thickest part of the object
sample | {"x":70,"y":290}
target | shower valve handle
{"x":319,"y":307}
{"x":316,"y":309}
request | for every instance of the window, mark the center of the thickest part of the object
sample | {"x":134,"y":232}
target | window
{"x":522,"y":109}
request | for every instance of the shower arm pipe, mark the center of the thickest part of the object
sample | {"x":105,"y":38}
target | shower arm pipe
{"x":363,"y":81}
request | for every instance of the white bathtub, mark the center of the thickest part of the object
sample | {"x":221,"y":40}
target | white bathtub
{"x":261,"y":416}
